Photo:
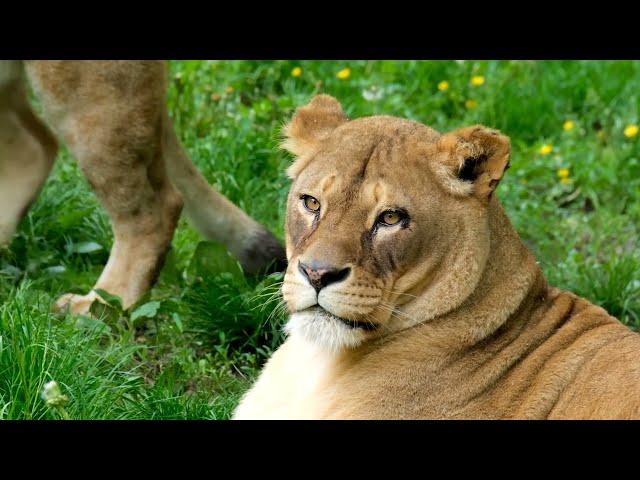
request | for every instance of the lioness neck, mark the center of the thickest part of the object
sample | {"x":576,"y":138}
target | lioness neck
{"x":508,"y":281}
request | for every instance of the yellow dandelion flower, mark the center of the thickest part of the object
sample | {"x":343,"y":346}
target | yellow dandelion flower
{"x":631,"y":130}
{"x":545,"y":149}
{"x":565,"y":181}
{"x":568,"y":125}
{"x":470,"y":104}
{"x":344,"y":73}
{"x":477,"y":80}
{"x":443,"y":85}
{"x":563,"y":173}
{"x":296,"y":72}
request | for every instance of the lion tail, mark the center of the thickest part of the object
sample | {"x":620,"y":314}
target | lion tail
{"x":217,"y":218}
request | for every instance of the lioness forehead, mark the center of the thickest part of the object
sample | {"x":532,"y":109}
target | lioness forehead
{"x":360,"y":138}
{"x":368,"y":149}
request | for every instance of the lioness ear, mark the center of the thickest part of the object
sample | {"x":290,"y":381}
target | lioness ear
{"x":312,"y":123}
{"x":472,"y":160}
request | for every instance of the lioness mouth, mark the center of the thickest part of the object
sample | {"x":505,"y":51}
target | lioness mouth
{"x":368,"y":326}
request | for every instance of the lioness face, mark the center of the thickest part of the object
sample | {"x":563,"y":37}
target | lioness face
{"x":374,"y":213}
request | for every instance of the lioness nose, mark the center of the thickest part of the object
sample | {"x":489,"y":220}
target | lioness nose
{"x":321,"y":276}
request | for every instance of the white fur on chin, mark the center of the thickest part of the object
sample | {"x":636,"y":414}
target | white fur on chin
{"x":325,"y":330}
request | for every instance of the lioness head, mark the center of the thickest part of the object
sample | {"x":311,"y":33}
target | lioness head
{"x":387,"y":221}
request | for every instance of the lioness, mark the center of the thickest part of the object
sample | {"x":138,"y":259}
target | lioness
{"x":112,"y":116}
{"x":412,"y":296}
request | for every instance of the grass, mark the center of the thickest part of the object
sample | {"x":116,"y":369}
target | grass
{"x":198,"y":340}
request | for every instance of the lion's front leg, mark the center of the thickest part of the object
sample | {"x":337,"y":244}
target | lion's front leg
{"x":27,"y":150}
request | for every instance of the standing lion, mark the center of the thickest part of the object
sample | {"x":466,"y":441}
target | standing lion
{"x":113,"y":117}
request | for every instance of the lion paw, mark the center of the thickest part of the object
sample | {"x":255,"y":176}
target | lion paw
{"x":74,"y":303}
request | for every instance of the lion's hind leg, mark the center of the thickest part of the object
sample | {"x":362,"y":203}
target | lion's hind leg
{"x":129,"y":178}
{"x":116,"y":134}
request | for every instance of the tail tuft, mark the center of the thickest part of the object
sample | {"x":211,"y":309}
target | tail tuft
{"x":263,"y":254}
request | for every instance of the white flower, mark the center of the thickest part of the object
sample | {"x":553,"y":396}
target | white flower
{"x":52,"y":394}
{"x":372,"y":93}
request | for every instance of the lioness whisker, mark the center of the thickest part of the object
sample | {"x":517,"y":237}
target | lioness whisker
{"x":394,"y":292}
{"x":394,"y":310}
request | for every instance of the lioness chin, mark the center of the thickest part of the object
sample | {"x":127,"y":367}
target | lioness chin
{"x":412,"y":296}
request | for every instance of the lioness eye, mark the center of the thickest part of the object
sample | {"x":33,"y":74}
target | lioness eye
{"x":311,"y":203}
{"x":390,"y":217}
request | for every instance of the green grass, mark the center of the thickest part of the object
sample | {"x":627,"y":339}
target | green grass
{"x":207,"y":329}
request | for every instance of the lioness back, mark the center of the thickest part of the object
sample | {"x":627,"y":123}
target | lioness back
{"x":412,"y":296}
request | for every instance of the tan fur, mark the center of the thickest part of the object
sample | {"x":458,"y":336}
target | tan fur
{"x":112,"y":116}
{"x":467,"y":326}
